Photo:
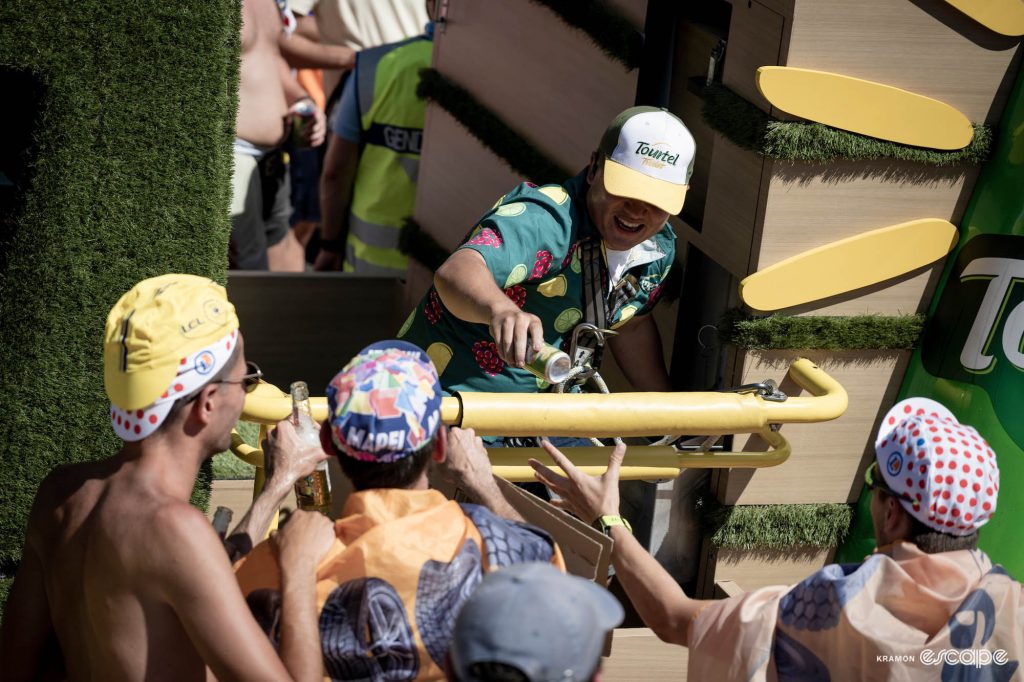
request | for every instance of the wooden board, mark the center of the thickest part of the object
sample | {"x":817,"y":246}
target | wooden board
{"x":926,"y":46}
{"x":734,"y":203}
{"x":849,"y":264}
{"x":828,"y":458}
{"x":638,"y":654}
{"x":752,"y":570}
{"x":1002,"y":16}
{"x":587,"y":551}
{"x":756,"y":37}
{"x":865,"y":107}
{"x":810,"y":205}
{"x":545,"y":79}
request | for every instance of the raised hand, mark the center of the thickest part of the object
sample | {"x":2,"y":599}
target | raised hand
{"x":589,"y":497}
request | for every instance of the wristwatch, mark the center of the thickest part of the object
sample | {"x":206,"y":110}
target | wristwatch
{"x":606,"y":523}
{"x":333,"y":245}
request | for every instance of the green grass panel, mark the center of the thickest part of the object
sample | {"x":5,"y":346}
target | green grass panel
{"x":5,"y":589}
{"x":131,"y":179}
{"x":752,"y":129}
{"x":489,"y":129}
{"x":775,"y":526}
{"x":414,"y":241}
{"x":858,"y":332}
{"x":604,"y":25}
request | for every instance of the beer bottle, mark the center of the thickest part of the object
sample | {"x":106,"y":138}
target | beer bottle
{"x":313,"y":492}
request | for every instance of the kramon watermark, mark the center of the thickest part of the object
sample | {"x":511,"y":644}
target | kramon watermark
{"x":977,"y":658}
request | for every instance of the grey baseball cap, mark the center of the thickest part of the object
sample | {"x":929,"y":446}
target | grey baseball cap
{"x":549,"y":625}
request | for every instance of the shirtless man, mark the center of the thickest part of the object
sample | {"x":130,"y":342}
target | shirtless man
{"x":261,"y":238}
{"x":120,"y":577}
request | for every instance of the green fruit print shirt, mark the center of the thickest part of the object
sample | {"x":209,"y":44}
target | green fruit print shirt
{"x":530,"y":241}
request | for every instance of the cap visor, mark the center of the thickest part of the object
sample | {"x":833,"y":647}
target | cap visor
{"x":626,"y":182}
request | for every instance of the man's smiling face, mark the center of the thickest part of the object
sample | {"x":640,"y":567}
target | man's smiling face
{"x":622,"y":222}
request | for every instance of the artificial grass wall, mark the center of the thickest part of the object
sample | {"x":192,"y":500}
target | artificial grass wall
{"x":604,"y":25}
{"x":489,"y":129}
{"x":821,"y":332}
{"x":774,"y":527}
{"x":752,"y":129}
{"x":129,"y":177}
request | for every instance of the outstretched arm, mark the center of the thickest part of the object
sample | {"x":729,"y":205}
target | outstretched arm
{"x":659,"y":600}
{"x":191,"y":573}
{"x":467,"y":288}
{"x":301,"y":543}
{"x":303,"y":52}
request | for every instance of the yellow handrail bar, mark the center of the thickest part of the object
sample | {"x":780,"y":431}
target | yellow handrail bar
{"x":609,"y":415}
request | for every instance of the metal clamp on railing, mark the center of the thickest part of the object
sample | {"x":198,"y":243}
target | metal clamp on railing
{"x":590,"y":415}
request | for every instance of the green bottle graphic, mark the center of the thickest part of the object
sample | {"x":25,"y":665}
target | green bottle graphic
{"x":970,"y":358}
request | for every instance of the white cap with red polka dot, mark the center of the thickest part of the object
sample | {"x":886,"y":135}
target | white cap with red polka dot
{"x":943,"y":472}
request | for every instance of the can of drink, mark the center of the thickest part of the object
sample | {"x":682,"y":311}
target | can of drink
{"x":221,"y":521}
{"x":301,"y":122}
{"x":549,"y":363}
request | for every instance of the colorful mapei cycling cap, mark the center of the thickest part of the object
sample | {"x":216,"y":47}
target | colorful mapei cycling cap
{"x":943,"y":472}
{"x":165,"y":338}
{"x":385,"y":404}
{"x":649,"y":156}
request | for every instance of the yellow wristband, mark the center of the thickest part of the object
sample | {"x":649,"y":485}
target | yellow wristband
{"x":606,"y":523}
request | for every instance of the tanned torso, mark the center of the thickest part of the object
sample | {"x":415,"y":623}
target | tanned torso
{"x":96,"y":530}
{"x":261,"y":97}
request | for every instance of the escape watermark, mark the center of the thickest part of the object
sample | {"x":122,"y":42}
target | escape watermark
{"x":977,"y":658}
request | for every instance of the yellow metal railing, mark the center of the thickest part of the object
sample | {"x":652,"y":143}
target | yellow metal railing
{"x":605,"y":416}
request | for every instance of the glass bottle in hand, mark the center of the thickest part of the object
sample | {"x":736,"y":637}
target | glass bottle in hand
{"x":313,"y":492}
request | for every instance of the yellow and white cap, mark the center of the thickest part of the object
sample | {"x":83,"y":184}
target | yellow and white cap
{"x":156,"y":327}
{"x":649,"y":156}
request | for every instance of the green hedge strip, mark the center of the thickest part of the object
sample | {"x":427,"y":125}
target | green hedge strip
{"x":604,"y":25}
{"x":131,"y":179}
{"x":859,"y":332}
{"x":774,"y":526}
{"x":415,"y":242}
{"x":492,"y":132}
{"x":752,"y":129}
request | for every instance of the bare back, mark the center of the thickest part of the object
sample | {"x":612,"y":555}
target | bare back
{"x":93,"y":532}
{"x":261,"y":97}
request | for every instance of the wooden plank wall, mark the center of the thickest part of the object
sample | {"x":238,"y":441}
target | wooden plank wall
{"x":759,"y":212}
{"x":541,"y":77}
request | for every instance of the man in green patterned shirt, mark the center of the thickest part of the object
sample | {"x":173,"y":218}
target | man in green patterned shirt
{"x":517,"y":280}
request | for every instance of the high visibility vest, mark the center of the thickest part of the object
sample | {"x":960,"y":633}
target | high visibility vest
{"x":384,"y":194}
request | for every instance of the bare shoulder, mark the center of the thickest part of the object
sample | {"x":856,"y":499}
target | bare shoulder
{"x":64,"y":490}
{"x":173,"y":526}
{"x":178,"y":531}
